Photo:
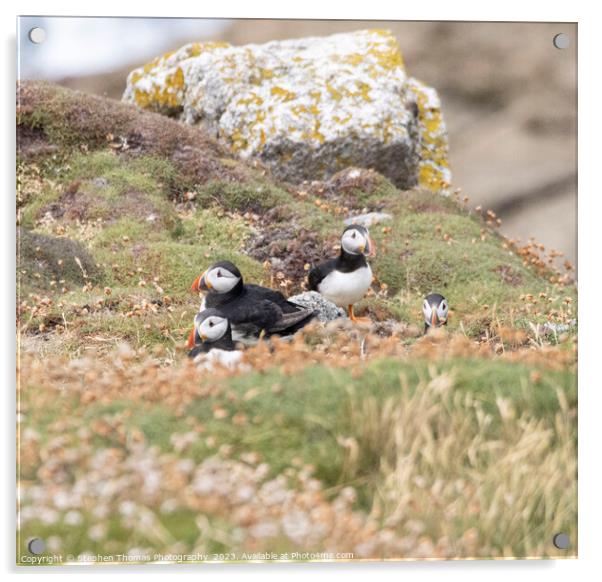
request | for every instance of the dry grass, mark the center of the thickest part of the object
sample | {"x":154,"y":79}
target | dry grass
{"x":460,"y":490}
{"x":320,"y":450}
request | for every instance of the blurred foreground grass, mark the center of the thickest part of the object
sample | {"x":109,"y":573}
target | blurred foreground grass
{"x":444,"y":457}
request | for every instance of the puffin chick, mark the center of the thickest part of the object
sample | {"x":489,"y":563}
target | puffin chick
{"x":253,"y":311}
{"x":210,"y":341}
{"x":434,"y":309}
{"x":346,"y":279}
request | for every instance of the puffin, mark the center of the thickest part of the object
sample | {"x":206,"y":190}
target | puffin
{"x":210,"y":341}
{"x":253,"y":311}
{"x":434,"y":309}
{"x":345,"y":280}
{"x":211,"y":331}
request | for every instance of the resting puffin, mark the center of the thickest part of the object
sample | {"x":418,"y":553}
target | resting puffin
{"x":251,"y":309}
{"x":211,"y":331}
{"x":434,"y":309}
{"x":211,"y":341}
{"x":345,"y":280}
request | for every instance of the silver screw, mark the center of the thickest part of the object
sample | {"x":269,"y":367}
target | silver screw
{"x":561,"y":40}
{"x":36,"y":546}
{"x":37,"y":35}
{"x":561,"y":541}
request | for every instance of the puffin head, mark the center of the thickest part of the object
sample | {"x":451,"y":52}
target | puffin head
{"x":221,"y":277}
{"x":210,"y":325}
{"x":435,"y":309}
{"x":356,"y":240}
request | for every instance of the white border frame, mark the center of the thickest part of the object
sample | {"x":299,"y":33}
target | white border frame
{"x":590,"y":208}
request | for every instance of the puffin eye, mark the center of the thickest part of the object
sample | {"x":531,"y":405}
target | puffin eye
{"x":219,"y":273}
{"x":353,"y":235}
{"x":211,"y":323}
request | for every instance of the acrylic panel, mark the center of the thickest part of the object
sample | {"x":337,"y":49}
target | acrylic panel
{"x":295,"y":290}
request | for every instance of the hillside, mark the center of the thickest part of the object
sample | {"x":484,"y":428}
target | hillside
{"x":375,"y":439}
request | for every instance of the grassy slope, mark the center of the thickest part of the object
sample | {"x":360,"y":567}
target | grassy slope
{"x":122,"y":209}
{"x":153,"y":203}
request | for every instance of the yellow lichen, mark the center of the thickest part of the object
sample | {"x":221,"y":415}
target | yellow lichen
{"x":167,"y":92}
{"x":285,"y":94}
{"x":387,"y":54}
{"x":168,"y":95}
{"x":433,"y":170}
{"x":354,"y":59}
{"x":253,"y":98}
{"x":364,"y":91}
{"x":336,"y":95}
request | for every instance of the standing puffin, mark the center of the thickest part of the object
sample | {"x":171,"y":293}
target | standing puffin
{"x":434,"y":309}
{"x":251,"y":309}
{"x":345,"y":280}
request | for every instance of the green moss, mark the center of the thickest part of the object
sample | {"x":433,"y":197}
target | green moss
{"x":32,"y":212}
{"x":255,"y":196}
{"x":43,"y":258}
{"x":102,"y":185}
{"x":52,"y":120}
{"x":212,"y":228}
{"x":147,"y":174}
{"x":379,"y":188}
{"x":435,"y":246}
{"x":132,"y":246}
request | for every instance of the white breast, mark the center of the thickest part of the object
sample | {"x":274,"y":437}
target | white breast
{"x":241,"y":334}
{"x":345,"y":289}
{"x":216,"y":358}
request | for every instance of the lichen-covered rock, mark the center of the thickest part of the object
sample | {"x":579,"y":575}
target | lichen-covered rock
{"x":325,"y":310}
{"x":307,"y":107}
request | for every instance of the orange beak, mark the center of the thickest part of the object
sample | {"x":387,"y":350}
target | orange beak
{"x":371,"y":247}
{"x":434,"y":319}
{"x":199,"y":283}
{"x":195,"y":286}
{"x":190,"y":342}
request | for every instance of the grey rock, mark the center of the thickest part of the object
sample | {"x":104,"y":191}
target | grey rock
{"x":325,"y":310}
{"x":558,"y":328}
{"x":368,"y":219}
{"x":100,"y":182}
{"x":306,"y":107}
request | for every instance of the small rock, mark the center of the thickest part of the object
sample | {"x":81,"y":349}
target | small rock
{"x":368,"y":219}
{"x":558,"y":328}
{"x":325,"y":310}
{"x":100,"y":182}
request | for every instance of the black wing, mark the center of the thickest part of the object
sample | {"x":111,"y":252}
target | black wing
{"x":258,"y":293}
{"x":258,"y":315}
{"x":291,"y":322}
{"x":319,"y":273}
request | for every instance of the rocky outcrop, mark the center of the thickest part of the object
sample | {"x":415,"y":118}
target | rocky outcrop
{"x":325,"y":310}
{"x":306,"y":107}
